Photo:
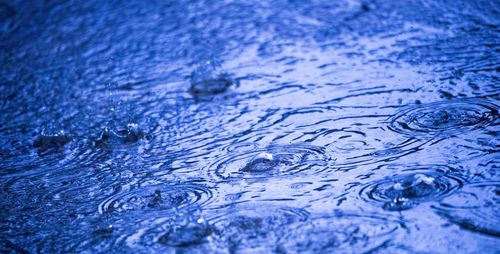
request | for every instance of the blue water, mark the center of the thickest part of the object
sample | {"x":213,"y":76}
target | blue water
{"x":250,"y":126}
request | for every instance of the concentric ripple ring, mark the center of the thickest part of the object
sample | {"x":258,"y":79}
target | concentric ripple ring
{"x":443,"y":118}
{"x":474,"y":208}
{"x":405,"y":191}
{"x":273,"y":160}
{"x":156,"y":197}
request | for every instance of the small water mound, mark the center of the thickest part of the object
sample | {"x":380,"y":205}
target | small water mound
{"x":156,"y":197}
{"x":341,"y":232}
{"x":118,"y":137}
{"x":443,"y":118}
{"x":474,"y":208}
{"x":262,"y":162}
{"x":188,"y":232}
{"x":208,"y":79}
{"x":402,"y":192}
{"x":256,"y":227}
{"x":51,"y":139}
{"x":273,"y":160}
{"x":212,"y":86}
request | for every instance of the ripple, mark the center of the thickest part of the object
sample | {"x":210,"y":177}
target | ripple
{"x":159,"y":233}
{"x":156,"y":197}
{"x":265,"y":229}
{"x":474,"y":208}
{"x":74,"y":200}
{"x":255,"y":226}
{"x":273,"y":160}
{"x":341,"y":232}
{"x":405,"y":191}
{"x":443,"y":118}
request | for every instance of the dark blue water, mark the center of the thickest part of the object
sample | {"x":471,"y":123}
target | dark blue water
{"x":249,"y":126}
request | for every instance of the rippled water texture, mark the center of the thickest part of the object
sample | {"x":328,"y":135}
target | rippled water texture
{"x":345,"y":126}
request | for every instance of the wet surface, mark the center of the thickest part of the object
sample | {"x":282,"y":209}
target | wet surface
{"x":249,"y":127}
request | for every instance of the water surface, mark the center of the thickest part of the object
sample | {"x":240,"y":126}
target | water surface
{"x":249,"y":126}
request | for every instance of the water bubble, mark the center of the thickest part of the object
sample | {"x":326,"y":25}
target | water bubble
{"x":405,"y":191}
{"x":207,"y":79}
{"x":273,"y":160}
{"x":474,"y":208}
{"x":443,"y":118}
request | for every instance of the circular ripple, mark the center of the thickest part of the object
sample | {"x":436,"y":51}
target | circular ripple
{"x":405,"y":191}
{"x":274,"y":160}
{"x":255,"y":227}
{"x":474,"y":208}
{"x":443,"y":118}
{"x":160,"y":232}
{"x":156,"y":197}
{"x":340,"y":233}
